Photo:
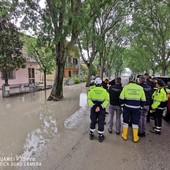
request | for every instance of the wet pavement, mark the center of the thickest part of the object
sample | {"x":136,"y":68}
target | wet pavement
{"x":37,"y":134}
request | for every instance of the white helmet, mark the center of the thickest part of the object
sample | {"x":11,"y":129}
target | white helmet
{"x":98,"y":81}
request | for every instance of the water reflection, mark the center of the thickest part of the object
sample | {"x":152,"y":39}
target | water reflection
{"x":36,"y":139}
{"x":76,"y":118}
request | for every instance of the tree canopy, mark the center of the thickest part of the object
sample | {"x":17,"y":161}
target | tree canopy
{"x":11,"y":57}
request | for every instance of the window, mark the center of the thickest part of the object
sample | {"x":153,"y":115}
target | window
{"x":10,"y":74}
{"x":31,"y":75}
{"x":75,"y":61}
{"x":70,"y":60}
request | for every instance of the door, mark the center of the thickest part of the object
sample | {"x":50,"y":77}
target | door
{"x":31,"y":75}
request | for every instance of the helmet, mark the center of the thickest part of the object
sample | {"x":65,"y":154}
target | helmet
{"x":98,"y":81}
{"x":132,"y":78}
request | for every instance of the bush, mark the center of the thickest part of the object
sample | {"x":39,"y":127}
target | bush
{"x":76,"y":80}
{"x":84,"y":79}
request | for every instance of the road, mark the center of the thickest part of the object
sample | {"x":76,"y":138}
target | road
{"x":54,"y":136}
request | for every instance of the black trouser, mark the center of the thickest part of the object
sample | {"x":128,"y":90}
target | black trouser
{"x":149,"y":114}
{"x":158,"y":119}
{"x":97,"y":117}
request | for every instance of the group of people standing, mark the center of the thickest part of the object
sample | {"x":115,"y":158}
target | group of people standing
{"x":136,"y":101}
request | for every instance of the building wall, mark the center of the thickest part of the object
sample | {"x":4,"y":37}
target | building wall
{"x":21,"y":75}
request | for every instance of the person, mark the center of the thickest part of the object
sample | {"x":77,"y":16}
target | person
{"x":148,"y":81}
{"x":160,"y":101}
{"x":132,"y":99}
{"x":105,"y":83}
{"x":112,"y":82}
{"x":167,"y":113}
{"x":98,"y":100}
{"x":114,"y":107}
{"x":92,"y":85}
{"x":152,"y":85}
{"x":145,"y":109}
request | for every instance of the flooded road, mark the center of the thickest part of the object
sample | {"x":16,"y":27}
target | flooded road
{"x":29,"y":122}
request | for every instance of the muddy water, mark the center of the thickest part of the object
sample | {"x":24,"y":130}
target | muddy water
{"x":29,"y":122}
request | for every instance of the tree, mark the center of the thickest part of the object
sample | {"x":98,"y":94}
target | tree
{"x":100,"y":34}
{"x":42,"y":53}
{"x":58,"y":21}
{"x":10,"y":49}
{"x":151,"y":23}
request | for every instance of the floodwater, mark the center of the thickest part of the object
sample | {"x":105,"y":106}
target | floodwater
{"x":29,"y":123}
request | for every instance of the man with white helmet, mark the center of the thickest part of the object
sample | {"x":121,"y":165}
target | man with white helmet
{"x":98,"y":100}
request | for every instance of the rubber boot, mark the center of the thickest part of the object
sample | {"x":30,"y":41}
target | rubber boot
{"x":125,"y":133}
{"x":101,"y":137}
{"x":135,"y":135}
{"x":91,"y":135}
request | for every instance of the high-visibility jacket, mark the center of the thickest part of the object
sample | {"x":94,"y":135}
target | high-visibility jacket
{"x":132,"y":96}
{"x":98,"y":96}
{"x":160,"y":99}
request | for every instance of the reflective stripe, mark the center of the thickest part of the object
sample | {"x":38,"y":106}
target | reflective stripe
{"x":135,"y":126}
{"x":100,"y":132}
{"x":133,"y":99}
{"x":161,"y":108}
{"x":164,"y":100}
{"x":157,"y":127}
{"x":116,"y":89}
{"x":92,"y":130}
{"x":125,"y":125}
{"x":135,"y":107}
{"x":147,"y":89}
{"x":97,"y":100}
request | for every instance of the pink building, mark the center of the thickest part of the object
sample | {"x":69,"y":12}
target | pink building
{"x":29,"y":74}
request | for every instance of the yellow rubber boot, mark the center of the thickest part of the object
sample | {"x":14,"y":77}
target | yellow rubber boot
{"x":125,"y":133}
{"x":135,"y":135}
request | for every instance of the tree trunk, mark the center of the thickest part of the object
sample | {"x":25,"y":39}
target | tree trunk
{"x":45,"y":81}
{"x":164,"y":70}
{"x":153,"y":71}
{"x":88,"y":76}
{"x":57,"y":90}
{"x":5,"y":77}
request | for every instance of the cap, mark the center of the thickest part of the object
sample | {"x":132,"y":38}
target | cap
{"x":160,"y":82}
{"x":98,"y":81}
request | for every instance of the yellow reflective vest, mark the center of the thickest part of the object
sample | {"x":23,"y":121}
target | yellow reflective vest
{"x":98,"y":96}
{"x":132,"y":96}
{"x":160,"y":99}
